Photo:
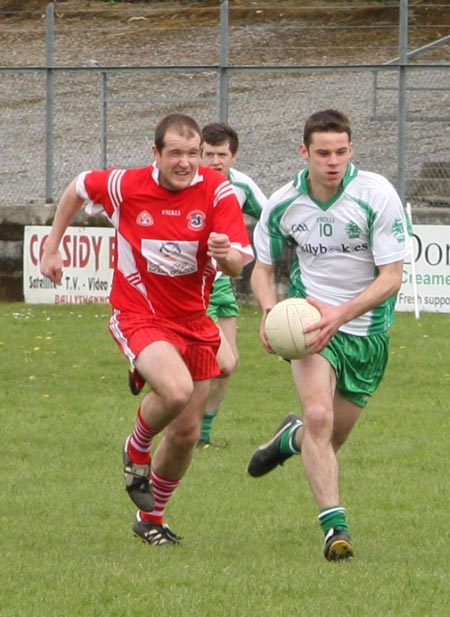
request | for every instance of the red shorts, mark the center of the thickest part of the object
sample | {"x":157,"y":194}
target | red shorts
{"x":196,"y":337}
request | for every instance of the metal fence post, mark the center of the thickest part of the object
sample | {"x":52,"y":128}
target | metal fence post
{"x":374,"y":94}
{"x":104,"y":119}
{"x":103,"y":114}
{"x":403,"y":61}
{"x":223,"y":62}
{"x":50,"y":27}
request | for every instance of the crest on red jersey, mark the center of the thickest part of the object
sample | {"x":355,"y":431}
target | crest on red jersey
{"x":144,"y":218}
{"x":196,"y":220}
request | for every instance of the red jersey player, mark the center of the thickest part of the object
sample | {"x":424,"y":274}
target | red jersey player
{"x":176,"y":223}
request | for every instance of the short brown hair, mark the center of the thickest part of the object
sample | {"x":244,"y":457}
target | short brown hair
{"x":181,"y":123}
{"x":327,"y":121}
{"x":219,"y":132}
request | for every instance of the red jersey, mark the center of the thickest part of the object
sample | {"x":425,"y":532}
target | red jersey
{"x":162,"y":263}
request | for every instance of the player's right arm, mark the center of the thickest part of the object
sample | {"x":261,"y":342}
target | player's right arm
{"x":68,"y":206}
{"x":262,"y":282}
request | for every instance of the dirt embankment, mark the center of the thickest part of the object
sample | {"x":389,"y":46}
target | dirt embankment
{"x":315,"y":32}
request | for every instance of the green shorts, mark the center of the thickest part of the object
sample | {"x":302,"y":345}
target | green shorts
{"x":359,"y":363}
{"x":223,"y":302}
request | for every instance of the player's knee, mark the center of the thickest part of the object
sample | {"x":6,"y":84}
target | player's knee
{"x":228,"y":367}
{"x":183,"y":437}
{"x":176,"y":397}
{"x":179,"y":398}
{"x":318,"y":420}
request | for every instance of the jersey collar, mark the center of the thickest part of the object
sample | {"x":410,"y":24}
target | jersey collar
{"x":301,"y":184}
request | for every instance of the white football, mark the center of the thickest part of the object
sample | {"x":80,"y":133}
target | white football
{"x":285,"y":326}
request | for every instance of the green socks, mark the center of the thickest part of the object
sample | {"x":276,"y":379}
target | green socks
{"x":287,"y":443}
{"x":333,"y":517}
{"x":207,"y":421}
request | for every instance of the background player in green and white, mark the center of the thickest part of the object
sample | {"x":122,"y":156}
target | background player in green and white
{"x":348,"y":228}
{"x":219,"y":151}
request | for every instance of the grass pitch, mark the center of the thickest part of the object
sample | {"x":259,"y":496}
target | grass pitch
{"x":252,"y":547}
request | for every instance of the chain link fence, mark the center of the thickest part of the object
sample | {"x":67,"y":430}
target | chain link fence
{"x":88,"y":89}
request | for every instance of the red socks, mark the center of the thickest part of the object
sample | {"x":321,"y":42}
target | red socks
{"x":140,"y":442}
{"x":163,"y":490}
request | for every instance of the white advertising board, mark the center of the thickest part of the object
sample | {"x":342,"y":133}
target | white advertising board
{"x":431,"y":252}
{"x":88,"y":255}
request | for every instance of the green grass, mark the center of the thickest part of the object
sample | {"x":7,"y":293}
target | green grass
{"x":251,"y":548}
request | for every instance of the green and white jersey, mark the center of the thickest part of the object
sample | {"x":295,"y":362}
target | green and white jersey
{"x":338,"y":244}
{"x":249,"y":195}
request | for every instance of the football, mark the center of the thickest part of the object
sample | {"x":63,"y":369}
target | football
{"x":285,"y":326}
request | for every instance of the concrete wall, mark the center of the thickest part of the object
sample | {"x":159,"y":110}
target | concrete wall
{"x":13,"y":220}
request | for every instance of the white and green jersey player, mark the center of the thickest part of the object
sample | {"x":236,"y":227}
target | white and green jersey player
{"x":339,"y":244}
{"x":249,"y":195}
{"x":349,"y":232}
{"x":219,"y":151}
{"x":223,"y":302}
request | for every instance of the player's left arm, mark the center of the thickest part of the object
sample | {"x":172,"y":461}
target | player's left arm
{"x":389,"y":251}
{"x":229,"y":244}
{"x":385,"y":285}
{"x":229,"y":259}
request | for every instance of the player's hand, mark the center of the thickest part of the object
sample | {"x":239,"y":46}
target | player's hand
{"x":262,"y":333}
{"x":218,"y":246}
{"x":51,"y":266}
{"x":330,"y":321}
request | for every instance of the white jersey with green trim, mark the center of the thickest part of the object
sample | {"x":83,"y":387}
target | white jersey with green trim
{"x":249,"y":195}
{"x":339,"y":244}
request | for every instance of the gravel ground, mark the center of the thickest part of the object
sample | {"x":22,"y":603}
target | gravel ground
{"x":267,"y":108}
